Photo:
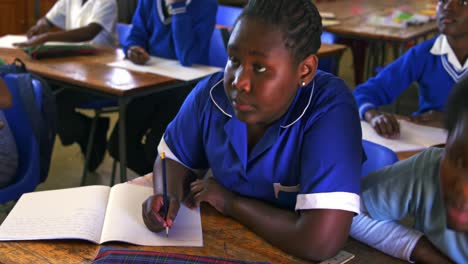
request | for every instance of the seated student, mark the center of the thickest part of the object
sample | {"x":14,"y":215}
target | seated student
{"x":432,"y":187}
{"x":271,"y":130}
{"x":173,"y":29}
{"x":92,"y":21}
{"x":436,"y":65}
{"x":8,"y":150}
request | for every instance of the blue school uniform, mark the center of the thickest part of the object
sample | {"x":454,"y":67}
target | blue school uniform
{"x":310,"y":158}
{"x":432,"y":64}
{"x":184,"y":35}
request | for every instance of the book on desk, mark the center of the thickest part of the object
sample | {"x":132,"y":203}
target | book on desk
{"x":98,"y":214}
{"x":413,"y":137}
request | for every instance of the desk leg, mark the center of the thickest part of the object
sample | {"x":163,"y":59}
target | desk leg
{"x":123,"y":102}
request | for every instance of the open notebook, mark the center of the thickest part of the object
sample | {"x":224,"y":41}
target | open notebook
{"x":413,"y":137}
{"x":98,"y":214}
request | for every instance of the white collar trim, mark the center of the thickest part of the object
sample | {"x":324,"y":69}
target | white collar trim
{"x":442,"y":47}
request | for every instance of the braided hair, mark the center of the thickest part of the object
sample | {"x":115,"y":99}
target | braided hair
{"x":298,"y":20}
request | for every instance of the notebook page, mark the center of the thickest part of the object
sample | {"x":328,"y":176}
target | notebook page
{"x":169,"y":68}
{"x":423,"y":135}
{"x":7,"y":41}
{"x":58,"y":214}
{"x":401,"y":144}
{"x":124,"y":220}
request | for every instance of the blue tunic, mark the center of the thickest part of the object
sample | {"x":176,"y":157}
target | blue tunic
{"x":310,"y":158}
{"x":433,"y":73}
{"x":184,"y":36}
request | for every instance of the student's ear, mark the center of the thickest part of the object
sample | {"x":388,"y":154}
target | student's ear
{"x":307,"y":69}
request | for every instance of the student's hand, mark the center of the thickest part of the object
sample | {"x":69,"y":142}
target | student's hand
{"x":210,"y":191}
{"x":40,"y":28}
{"x":34,"y":41}
{"x":384,"y":124}
{"x":137,"y":55}
{"x":153,"y":212}
{"x":146,"y":180}
{"x":430,"y":118}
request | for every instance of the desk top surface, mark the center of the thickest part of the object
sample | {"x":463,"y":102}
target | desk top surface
{"x":222,"y":237}
{"x":91,"y":72}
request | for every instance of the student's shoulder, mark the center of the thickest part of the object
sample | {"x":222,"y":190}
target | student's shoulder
{"x":330,"y":89}
{"x":425,"y":46}
{"x":421,"y":168}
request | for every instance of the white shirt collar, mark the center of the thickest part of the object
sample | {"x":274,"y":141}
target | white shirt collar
{"x":442,"y":47}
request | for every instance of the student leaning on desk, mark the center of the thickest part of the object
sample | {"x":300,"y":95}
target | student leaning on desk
{"x":172,"y":29}
{"x":436,"y":65}
{"x":432,"y":188}
{"x":271,"y":130}
{"x":92,"y":21}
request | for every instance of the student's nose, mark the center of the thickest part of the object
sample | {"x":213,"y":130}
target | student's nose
{"x":241,"y":79}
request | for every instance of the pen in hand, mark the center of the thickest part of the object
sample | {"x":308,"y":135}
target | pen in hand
{"x":165,"y":200}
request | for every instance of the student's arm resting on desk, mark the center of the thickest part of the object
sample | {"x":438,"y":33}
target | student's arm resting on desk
{"x":192,"y":32}
{"x":389,"y":195}
{"x":384,"y":88}
{"x":82,"y":34}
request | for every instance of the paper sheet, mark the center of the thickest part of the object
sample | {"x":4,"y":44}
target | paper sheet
{"x":413,"y":137}
{"x":169,"y":68}
{"x":7,"y":41}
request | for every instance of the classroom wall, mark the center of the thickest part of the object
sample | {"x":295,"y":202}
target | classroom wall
{"x":17,"y":16}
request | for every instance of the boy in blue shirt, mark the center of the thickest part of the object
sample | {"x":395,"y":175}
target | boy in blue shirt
{"x":271,"y":130}
{"x":436,"y":65}
{"x":432,"y":188}
{"x":173,"y":29}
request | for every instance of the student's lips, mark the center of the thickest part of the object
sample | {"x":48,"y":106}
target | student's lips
{"x":240,"y":106}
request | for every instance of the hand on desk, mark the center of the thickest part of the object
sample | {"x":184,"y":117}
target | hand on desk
{"x":384,"y":124}
{"x":138,"y":55}
{"x":34,"y":41}
{"x":153,"y":212}
{"x":210,"y":191}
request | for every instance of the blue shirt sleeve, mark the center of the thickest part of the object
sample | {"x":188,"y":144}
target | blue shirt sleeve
{"x":334,"y":151}
{"x":192,"y":31}
{"x":390,"y":82}
{"x":187,"y":146}
{"x":139,"y":34}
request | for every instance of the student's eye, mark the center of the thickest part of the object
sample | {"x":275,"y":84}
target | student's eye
{"x":234,"y":61}
{"x":463,"y":2}
{"x":259,"y":68}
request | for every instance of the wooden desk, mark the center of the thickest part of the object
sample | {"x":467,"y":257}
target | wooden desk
{"x":222,"y":237}
{"x":91,"y":74}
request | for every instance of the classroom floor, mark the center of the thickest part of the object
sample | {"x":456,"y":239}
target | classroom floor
{"x":67,"y":162}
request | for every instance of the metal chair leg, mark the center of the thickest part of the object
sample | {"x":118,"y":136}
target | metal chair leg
{"x":89,"y":146}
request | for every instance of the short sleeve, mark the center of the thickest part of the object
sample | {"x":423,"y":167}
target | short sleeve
{"x":105,"y":14}
{"x":184,"y":135}
{"x":332,"y":156}
{"x":57,"y":15}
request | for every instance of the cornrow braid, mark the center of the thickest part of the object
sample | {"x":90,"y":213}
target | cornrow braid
{"x":456,"y":107}
{"x":299,"y":21}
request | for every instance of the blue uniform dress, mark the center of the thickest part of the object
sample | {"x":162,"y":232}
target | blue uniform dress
{"x":184,"y":35}
{"x":310,"y":158}
{"x":432,"y":64}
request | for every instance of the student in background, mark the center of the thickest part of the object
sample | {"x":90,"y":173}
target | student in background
{"x":271,"y":130}
{"x":432,"y":188}
{"x":436,"y":65}
{"x":92,"y":21}
{"x":8,"y":150}
{"x":173,"y":29}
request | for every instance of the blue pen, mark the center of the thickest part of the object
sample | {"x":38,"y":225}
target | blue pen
{"x":165,"y":201}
